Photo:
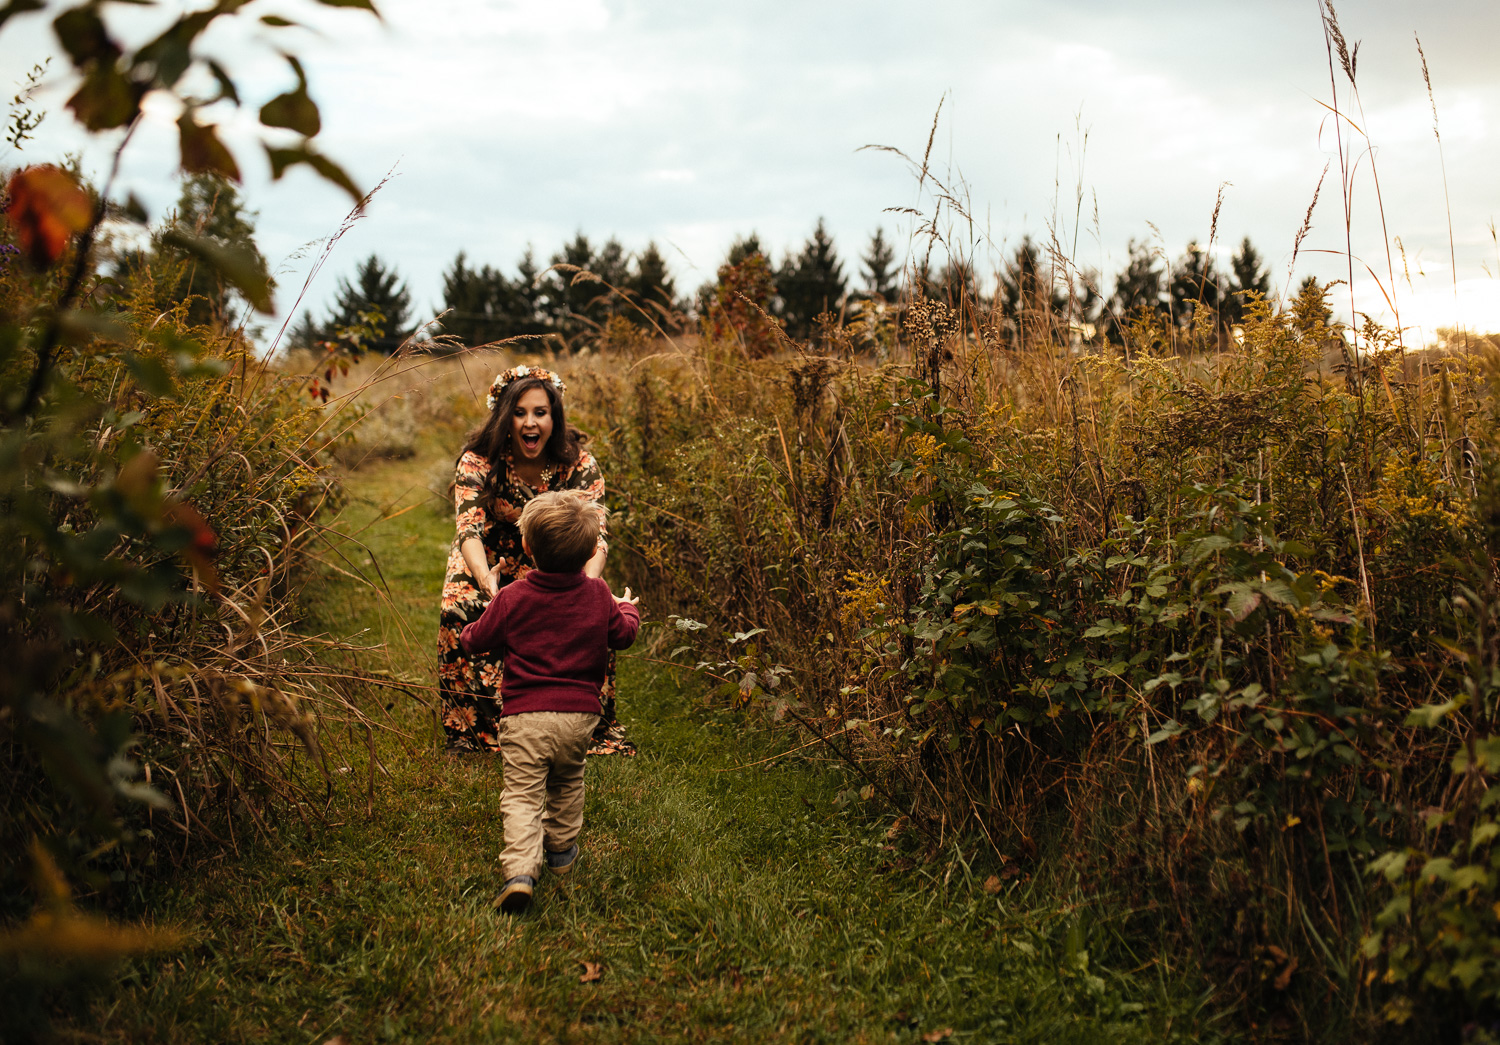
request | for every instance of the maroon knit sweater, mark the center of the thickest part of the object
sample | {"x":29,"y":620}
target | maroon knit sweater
{"x":554,"y":632}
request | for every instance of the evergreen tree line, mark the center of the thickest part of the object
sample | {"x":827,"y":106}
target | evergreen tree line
{"x":1035,"y":299}
{"x":583,"y":286}
{"x":579,"y":290}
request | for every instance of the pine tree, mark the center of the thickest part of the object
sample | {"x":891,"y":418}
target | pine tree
{"x":1033,"y":307}
{"x":561,"y":301}
{"x":304,"y":333}
{"x":376,"y":299}
{"x":524,"y":309}
{"x":463,"y":300}
{"x":811,"y":283}
{"x":959,"y":285}
{"x":1090,"y":306}
{"x":612,"y":265}
{"x":474,"y":303}
{"x":1138,"y":288}
{"x":1195,"y":287}
{"x":878,"y":267}
{"x":743,"y":247}
{"x":484,"y":305}
{"x":651,"y":284}
{"x":572,"y":305}
{"x":210,"y":206}
{"x":1250,"y":277}
{"x":737,"y":306}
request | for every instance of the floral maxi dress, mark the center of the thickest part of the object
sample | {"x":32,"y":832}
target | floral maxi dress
{"x":470,"y":686}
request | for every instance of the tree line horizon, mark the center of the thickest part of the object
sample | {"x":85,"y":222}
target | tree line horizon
{"x":583,"y":286}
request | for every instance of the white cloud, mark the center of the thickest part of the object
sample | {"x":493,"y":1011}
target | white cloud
{"x":673,"y":176}
{"x":522,"y":121}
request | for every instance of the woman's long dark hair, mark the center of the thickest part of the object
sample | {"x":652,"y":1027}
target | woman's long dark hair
{"x":491,"y":440}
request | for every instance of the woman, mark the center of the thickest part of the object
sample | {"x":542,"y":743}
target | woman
{"x":525,"y":447}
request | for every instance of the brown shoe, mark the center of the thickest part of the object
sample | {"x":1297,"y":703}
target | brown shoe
{"x":561,"y":863}
{"x":515,"y":896}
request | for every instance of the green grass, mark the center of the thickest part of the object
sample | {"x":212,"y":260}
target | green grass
{"x":718,"y":903}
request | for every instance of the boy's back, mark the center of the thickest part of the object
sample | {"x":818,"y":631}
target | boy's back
{"x":554,"y":632}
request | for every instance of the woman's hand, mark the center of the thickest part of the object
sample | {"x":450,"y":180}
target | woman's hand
{"x":595,"y":566}
{"x":490,"y":582}
{"x":472,"y":550}
{"x":486,"y":577}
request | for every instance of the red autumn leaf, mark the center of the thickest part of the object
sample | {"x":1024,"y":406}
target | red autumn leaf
{"x":204,"y":542}
{"x":46,"y":209}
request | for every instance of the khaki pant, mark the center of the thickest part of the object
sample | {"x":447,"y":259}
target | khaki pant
{"x":543,"y":798}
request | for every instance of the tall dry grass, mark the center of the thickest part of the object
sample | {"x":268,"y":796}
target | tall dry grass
{"x":168,"y":512}
{"x":1160,"y":625}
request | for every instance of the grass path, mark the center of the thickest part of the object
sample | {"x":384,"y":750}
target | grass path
{"x":713,"y":903}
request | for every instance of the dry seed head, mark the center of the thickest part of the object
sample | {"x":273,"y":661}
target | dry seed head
{"x":1348,"y":57}
{"x":1307,"y":218}
{"x":1213,"y":224}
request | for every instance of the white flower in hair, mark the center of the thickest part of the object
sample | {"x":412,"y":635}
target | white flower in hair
{"x":522,"y":370}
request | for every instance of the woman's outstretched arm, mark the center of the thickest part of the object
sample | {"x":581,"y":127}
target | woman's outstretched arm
{"x":472,"y":549}
{"x":595,"y":566}
{"x":472,"y":521}
{"x":588,"y":480}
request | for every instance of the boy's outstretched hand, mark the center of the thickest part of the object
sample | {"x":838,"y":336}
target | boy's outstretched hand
{"x":634,"y":600}
{"x":490,"y":582}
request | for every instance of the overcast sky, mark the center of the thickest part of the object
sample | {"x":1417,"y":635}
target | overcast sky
{"x":516,"y":122}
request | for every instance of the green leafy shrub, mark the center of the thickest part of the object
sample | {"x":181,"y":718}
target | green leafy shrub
{"x":1435,"y":942}
{"x":1154,"y":622}
{"x":158,"y":492}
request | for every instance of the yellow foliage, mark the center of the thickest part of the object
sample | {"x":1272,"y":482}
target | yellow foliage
{"x":58,"y":931}
{"x":864,"y":598}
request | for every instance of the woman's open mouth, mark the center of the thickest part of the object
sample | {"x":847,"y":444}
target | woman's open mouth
{"x":530,"y":441}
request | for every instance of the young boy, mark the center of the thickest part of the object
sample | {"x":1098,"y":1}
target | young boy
{"x":554,"y":629}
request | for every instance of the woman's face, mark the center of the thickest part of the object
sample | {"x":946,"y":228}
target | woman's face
{"x":531,"y":425}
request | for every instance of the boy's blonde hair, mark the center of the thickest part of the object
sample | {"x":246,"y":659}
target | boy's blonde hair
{"x":562,"y":530}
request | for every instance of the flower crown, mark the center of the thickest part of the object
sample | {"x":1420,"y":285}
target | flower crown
{"x":506,"y":377}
